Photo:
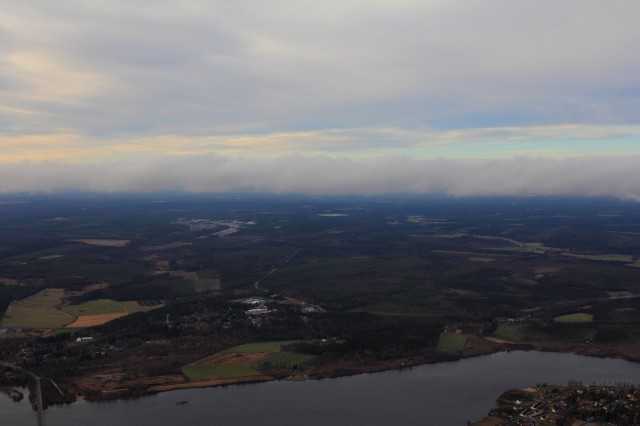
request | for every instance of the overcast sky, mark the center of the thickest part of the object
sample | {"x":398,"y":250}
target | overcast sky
{"x":463,"y":97}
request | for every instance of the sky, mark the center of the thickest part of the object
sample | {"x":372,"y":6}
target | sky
{"x":351,"y":96}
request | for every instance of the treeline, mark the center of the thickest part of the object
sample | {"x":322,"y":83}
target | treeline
{"x":14,"y":292}
{"x":587,"y":332}
{"x":380,"y":338}
{"x":153,"y":287}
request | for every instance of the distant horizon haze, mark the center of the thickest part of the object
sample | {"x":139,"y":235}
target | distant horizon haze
{"x":323,"y":175}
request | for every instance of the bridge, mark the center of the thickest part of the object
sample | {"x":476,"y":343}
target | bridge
{"x":36,"y":385}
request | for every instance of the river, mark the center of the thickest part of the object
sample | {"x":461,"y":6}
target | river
{"x":436,"y":395}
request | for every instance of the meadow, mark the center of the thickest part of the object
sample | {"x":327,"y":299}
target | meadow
{"x":508,"y":332}
{"x":38,"y":311}
{"x":449,"y":342}
{"x":577,"y":317}
{"x":245,"y":360}
{"x":106,"y":306}
{"x":262,"y":346}
{"x":209,"y":372}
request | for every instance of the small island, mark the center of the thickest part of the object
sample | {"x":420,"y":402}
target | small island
{"x":12,"y":393}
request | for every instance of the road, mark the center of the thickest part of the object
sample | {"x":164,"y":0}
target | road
{"x":271,"y":271}
{"x":37,"y":387}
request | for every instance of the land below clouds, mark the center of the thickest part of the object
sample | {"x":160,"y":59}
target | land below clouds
{"x":361,"y":284}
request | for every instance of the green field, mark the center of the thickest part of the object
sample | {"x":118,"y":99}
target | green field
{"x":210,"y":372}
{"x":38,"y":311}
{"x":577,"y":317}
{"x":508,"y":332}
{"x":106,"y":306}
{"x":286,"y":360}
{"x":279,"y":359}
{"x":262,"y":346}
{"x":450,"y":342}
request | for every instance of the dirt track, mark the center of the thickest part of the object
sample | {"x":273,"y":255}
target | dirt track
{"x":209,"y":383}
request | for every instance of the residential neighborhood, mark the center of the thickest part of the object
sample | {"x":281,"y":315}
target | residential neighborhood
{"x":573,"y":405}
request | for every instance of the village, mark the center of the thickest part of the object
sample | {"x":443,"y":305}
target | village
{"x":573,"y":405}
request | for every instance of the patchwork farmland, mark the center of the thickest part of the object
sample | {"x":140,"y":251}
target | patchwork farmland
{"x":47,"y":310}
{"x":244,"y":361}
{"x":38,"y":311}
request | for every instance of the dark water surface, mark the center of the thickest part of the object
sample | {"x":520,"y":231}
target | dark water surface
{"x":439,"y":394}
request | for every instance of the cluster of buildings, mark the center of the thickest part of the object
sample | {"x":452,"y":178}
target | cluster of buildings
{"x":570,"y":405}
{"x":207,"y":224}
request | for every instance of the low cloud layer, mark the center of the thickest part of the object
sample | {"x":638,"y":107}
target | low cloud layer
{"x":592,"y":176}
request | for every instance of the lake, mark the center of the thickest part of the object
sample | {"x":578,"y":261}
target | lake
{"x":439,"y":394}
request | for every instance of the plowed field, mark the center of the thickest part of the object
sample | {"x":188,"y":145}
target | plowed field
{"x":91,"y":320}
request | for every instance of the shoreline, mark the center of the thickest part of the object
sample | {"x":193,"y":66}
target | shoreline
{"x":476,"y":347}
{"x":464,"y":391}
{"x":12,"y":393}
{"x":338,"y":370}
{"x":208,"y":384}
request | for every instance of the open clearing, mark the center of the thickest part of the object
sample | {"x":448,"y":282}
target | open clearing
{"x":168,"y":246}
{"x":92,"y":320}
{"x":101,"y":311}
{"x":272,"y":347}
{"x":44,"y":310}
{"x":103,"y":243}
{"x":203,"y":281}
{"x":577,"y":317}
{"x":38,"y":311}
{"x":508,"y":332}
{"x":208,"y":372}
{"x":254,"y":359}
{"x":240,"y":361}
{"x":287,"y":360}
{"x":106,"y":306}
{"x":450,"y":342}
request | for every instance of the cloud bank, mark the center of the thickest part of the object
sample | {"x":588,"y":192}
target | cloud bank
{"x":592,"y":176}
